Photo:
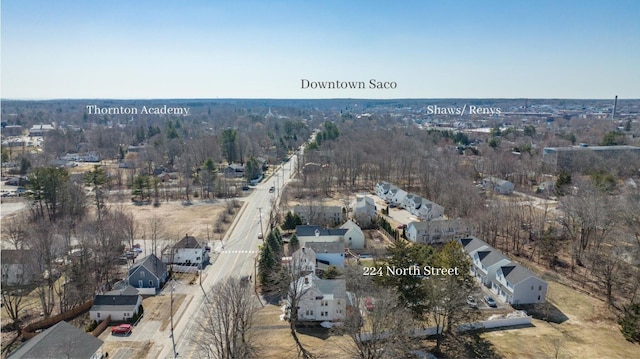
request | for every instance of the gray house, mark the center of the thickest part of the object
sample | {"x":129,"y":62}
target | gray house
{"x":62,"y":340}
{"x":149,"y":272}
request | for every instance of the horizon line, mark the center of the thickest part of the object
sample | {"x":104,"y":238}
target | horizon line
{"x":312,"y":99}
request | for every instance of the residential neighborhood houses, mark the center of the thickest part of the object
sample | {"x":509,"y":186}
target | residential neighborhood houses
{"x":188,"y":255}
{"x":148,"y":274}
{"x":321,"y":300}
{"x":416,"y":205}
{"x":513,"y":283}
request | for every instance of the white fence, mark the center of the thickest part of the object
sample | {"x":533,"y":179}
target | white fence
{"x":146,"y":291}
{"x":509,"y":320}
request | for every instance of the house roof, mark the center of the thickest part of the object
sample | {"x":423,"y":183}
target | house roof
{"x":115,"y":303}
{"x":497,"y":181}
{"x":472,"y":243}
{"x":337,"y":287}
{"x":152,"y":264}
{"x":362,"y":201}
{"x":188,"y":242}
{"x":16,"y":256}
{"x":515,"y":273}
{"x":349,"y":225}
{"x":128,"y":290}
{"x":310,"y":231}
{"x":385,"y":185}
{"x":489,"y":257}
{"x":62,"y":340}
{"x":326,"y":247}
{"x":419,"y":226}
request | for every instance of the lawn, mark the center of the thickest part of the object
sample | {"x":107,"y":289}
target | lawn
{"x":589,"y":332}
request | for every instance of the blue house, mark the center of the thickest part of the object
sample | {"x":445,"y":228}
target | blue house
{"x":149,"y":272}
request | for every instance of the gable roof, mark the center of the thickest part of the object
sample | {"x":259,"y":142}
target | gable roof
{"x":62,"y":340}
{"x":152,"y":264}
{"x":326,"y":247}
{"x":491,"y":257}
{"x":516,"y":273}
{"x":337,"y":287}
{"x":349,"y":225}
{"x":471,"y":244}
{"x":115,"y":303}
{"x":188,"y":242}
{"x":310,"y":231}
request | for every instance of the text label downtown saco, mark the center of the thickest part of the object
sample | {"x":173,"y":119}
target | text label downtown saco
{"x":373,"y":84}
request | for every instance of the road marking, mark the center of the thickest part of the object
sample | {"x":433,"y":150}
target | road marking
{"x":238,"y":252}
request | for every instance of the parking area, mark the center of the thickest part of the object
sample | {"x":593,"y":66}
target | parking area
{"x":398,"y":216}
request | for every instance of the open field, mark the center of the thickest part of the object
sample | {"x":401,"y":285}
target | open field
{"x":589,"y":332}
{"x":275,"y":341}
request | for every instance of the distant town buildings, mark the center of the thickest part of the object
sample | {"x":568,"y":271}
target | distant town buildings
{"x":585,"y":159}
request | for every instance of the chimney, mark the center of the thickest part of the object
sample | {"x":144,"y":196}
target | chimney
{"x":615,"y":105}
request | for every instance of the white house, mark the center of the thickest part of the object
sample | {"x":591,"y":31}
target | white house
{"x":397,"y":196}
{"x":19,"y":267}
{"x":438,"y":230}
{"x":382,"y":188}
{"x":326,"y":215}
{"x":364,"y":210}
{"x":322,"y":300}
{"x":517,"y":285}
{"x":188,"y":252}
{"x":318,"y":234}
{"x":486,"y":263}
{"x":354,"y":237}
{"x":510,"y":281}
{"x":498,"y":185}
{"x":120,"y":307}
{"x":430,"y":210}
{"x":328,"y":253}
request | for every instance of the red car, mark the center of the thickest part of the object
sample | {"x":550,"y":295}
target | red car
{"x":368,"y":303}
{"x":121,"y":329}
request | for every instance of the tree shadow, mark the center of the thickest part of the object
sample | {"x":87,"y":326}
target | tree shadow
{"x":545,"y":311}
{"x":467,"y":345}
{"x":314,"y":330}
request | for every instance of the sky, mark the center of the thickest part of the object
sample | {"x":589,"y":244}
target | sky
{"x":265,"y":49}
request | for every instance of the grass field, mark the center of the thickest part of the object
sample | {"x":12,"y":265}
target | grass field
{"x":589,"y":332}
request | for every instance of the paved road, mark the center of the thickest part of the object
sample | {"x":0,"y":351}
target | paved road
{"x":236,"y":259}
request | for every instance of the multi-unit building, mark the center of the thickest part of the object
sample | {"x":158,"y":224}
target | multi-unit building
{"x":510,"y":281}
{"x":416,"y":205}
{"x":438,"y":231}
{"x":585,"y":159}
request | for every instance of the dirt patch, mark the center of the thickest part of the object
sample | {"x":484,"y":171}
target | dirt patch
{"x":129,"y":349}
{"x":156,"y":308}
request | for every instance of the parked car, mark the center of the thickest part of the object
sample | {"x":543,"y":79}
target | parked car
{"x":121,"y":329}
{"x":402,"y":226}
{"x":490,"y":302}
{"x":272,"y":189}
{"x":368,"y":303}
{"x":260,"y":235}
{"x":472,"y":302}
{"x":245,"y":188}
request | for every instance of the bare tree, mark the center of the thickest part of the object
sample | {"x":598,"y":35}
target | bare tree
{"x":157,"y":231}
{"x":12,"y":300}
{"x":228,"y":318}
{"x":377,"y":324}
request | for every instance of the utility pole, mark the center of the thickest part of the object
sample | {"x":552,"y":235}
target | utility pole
{"x":173,"y":341}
